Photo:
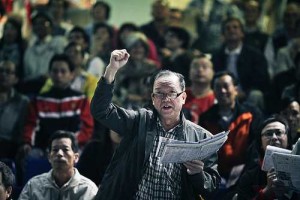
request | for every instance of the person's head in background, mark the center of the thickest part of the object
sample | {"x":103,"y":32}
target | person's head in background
{"x":79,"y":36}
{"x":177,"y":38}
{"x":137,"y":46}
{"x":273,"y":131}
{"x":7,"y":180}
{"x":63,"y":150}
{"x":290,"y":109}
{"x":225,"y":89}
{"x":124,"y":30}
{"x":252,"y":11}
{"x":160,"y":11}
{"x":61,"y":71}
{"x":57,"y":8}
{"x":175,"y":17}
{"x":102,"y":39}
{"x":291,"y":16}
{"x":100,"y":12}
{"x":41,"y":24}
{"x":75,"y":53}
{"x":233,"y":32}
{"x":201,"y":70}
{"x":8,"y":75}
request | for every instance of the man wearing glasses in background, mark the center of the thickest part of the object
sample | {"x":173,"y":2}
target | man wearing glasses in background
{"x":135,"y":172}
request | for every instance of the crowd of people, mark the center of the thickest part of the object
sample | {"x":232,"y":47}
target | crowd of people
{"x":95,"y":100}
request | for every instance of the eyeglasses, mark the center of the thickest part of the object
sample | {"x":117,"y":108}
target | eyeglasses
{"x":7,"y":71}
{"x":269,"y":133}
{"x":172,"y":95}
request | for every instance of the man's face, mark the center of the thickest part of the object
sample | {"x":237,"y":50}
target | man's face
{"x":167,"y":107}
{"x":8,"y":76}
{"x":61,"y":75}
{"x":201,"y":70}
{"x":4,"y":193}
{"x":292,"y":114}
{"x":251,"y":11}
{"x":61,"y":155}
{"x":233,"y":31}
{"x":225,"y":91}
{"x":74,"y":53}
{"x":274,"y":134}
{"x":41,"y":27}
{"x":172,"y":41}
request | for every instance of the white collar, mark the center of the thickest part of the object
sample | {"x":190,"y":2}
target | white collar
{"x":235,"y":51}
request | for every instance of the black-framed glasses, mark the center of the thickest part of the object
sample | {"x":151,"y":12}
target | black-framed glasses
{"x":269,"y":133}
{"x":172,"y":95}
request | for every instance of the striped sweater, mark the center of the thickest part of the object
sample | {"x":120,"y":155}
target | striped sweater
{"x":58,"y":109}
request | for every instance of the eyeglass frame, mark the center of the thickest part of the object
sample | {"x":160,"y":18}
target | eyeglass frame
{"x":270,"y":133}
{"x":164,"y":95}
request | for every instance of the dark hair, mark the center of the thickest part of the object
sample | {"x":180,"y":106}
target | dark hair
{"x":224,"y":73}
{"x":72,"y":44}
{"x":163,"y":73}
{"x":62,"y":57}
{"x":66,"y":4}
{"x":268,"y":120}
{"x":82,"y":31}
{"x":8,"y":178}
{"x":104,"y":5}
{"x":181,"y":34}
{"x":230,"y":19}
{"x":41,"y":14}
{"x":103,"y":25}
{"x":64,"y":134}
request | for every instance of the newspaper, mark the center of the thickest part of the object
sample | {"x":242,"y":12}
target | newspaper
{"x":287,"y":169}
{"x":268,"y":161}
{"x":175,"y":151}
{"x":286,"y":165}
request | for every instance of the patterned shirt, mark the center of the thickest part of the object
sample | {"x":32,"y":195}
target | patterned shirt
{"x":161,"y":181}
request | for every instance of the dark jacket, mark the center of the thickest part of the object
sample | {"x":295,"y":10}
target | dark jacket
{"x":252,"y":68}
{"x":242,"y":126}
{"x":138,"y":129}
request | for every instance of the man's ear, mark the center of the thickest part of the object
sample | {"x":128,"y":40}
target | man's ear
{"x":76,"y":157}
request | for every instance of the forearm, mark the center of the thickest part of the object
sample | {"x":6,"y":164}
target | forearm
{"x":109,"y":74}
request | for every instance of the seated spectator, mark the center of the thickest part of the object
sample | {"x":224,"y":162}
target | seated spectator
{"x":12,"y":45}
{"x":13,"y":110}
{"x":128,"y":28}
{"x":61,"y":108}
{"x":7,"y":180}
{"x":63,"y":181}
{"x":240,"y":119}
{"x":131,"y":81}
{"x":102,"y":41}
{"x":200,"y":96}
{"x":57,"y":9}
{"x":157,"y":27}
{"x":79,"y":36}
{"x":82,"y":81}
{"x":258,"y":184}
{"x":290,"y":109}
{"x":175,"y":56}
{"x":42,"y":47}
{"x":245,"y":62}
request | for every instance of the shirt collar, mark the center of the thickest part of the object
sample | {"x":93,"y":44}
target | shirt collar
{"x":235,"y":51}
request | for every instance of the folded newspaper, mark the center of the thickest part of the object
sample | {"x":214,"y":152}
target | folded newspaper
{"x":286,"y":164}
{"x":176,"y":151}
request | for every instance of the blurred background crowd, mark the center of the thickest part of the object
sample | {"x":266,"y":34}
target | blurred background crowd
{"x":240,"y":60}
